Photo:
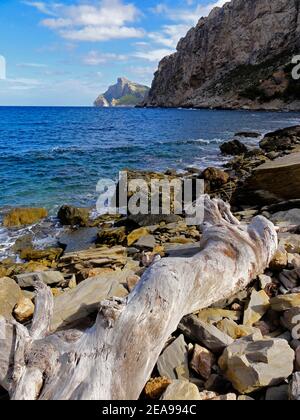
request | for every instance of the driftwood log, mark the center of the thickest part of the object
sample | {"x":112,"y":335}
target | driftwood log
{"x":114,"y":359}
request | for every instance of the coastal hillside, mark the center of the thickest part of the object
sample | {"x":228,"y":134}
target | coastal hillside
{"x":238,"y":57}
{"x":123,"y":93}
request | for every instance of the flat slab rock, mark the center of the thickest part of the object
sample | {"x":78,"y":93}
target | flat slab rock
{"x":252,"y":363}
{"x":78,"y":303}
{"x":173,"y":362}
{"x":46,"y":277}
{"x":204,"y":334}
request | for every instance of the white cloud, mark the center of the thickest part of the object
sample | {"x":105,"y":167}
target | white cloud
{"x":153,"y":55}
{"x":32,"y":65}
{"x":95,"y":58}
{"x":98,"y":21}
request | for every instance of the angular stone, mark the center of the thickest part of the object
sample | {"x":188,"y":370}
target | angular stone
{"x":24,"y":216}
{"x":202,"y":361}
{"x":235,"y":331}
{"x":181,"y":391}
{"x":212,"y":315}
{"x":78,"y":303}
{"x":74,"y":240}
{"x":24,"y":309}
{"x":284,"y":302}
{"x":258,"y":305}
{"x":278,"y":393}
{"x":286,"y":218}
{"x":294,"y":387}
{"x":46,"y":277}
{"x":155,"y":387}
{"x":147,"y":241}
{"x":291,"y":319}
{"x":289,"y":278}
{"x":218,"y":383}
{"x":173,"y":357}
{"x":264,"y":281}
{"x":50,"y":254}
{"x":10,"y":294}
{"x":279,"y":261}
{"x":234,"y":147}
{"x":204,"y":334}
{"x":135,"y":235}
{"x":254,"y":364}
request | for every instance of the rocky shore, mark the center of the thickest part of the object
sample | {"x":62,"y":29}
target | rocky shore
{"x":244,"y":348}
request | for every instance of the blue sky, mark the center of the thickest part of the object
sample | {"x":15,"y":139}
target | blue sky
{"x":66,"y":52}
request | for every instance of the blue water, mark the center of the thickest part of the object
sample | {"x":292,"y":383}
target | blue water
{"x":52,"y":156}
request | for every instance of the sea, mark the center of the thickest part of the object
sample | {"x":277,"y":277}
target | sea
{"x":51,"y":156}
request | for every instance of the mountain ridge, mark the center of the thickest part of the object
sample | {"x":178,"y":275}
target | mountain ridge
{"x":237,"y":57}
{"x":123,"y":93}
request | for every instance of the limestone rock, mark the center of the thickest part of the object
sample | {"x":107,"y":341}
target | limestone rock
{"x":264,"y":281}
{"x":112,"y":236}
{"x":24,"y":216}
{"x":215,"y":177}
{"x":50,"y":254}
{"x":73,"y":216}
{"x":254,"y":364}
{"x":290,"y":217}
{"x":78,"y":303}
{"x":10,"y":294}
{"x":202,"y":361}
{"x":284,"y":302}
{"x":181,"y":391}
{"x":46,"y":277}
{"x":212,"y":315}
{"x":233,"y":330}
{"x":258,"y":305}
{"x":174,"y":356}
{"x":204,"y":334}
{"x":24,"y":309}
{"x":156,"y":387}
{"x":147,"y":241}
{"x":135,"y":235}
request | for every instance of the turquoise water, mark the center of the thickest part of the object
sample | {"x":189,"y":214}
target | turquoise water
{"x":52,"y":156}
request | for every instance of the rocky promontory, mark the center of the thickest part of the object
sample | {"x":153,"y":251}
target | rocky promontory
{"x":123,"y":94}
{"x":240,"y":56}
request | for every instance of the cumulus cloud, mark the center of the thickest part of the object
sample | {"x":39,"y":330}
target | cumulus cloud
{"x":98,"y":21}
{"x":153,"y":55}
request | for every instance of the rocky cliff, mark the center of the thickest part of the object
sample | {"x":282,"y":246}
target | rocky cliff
{"x":237,"y":57}
{"x":124,"y":93}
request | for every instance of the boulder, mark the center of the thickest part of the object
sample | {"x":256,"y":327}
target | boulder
{"x":285,"y":302}
{"x":258,"y":305}
{"x":73,"y":216}
{"x":280,"y":260}
{"x":78,"y":239}
{"x":215,"y":177}
{"x":281,"y":140}
{"x":233,"y":330}
{"x":252,"y":364}
{"x":24,"y":216}
{"x":261,"y":188}
{"x":47,"y":277}
{"x":10,"y":294}
{"x":202,"y":361}
{"x":234,"y":147}
{"x":75,"y":305}
{"x":173,"y":362}
{"x":181,"y":391}
{"x":290,"y":278}
{"x":249,"y":134}
{"x":24,"y":309}
{"x":294,"y":387}
{"x":204,"y":334}
{"x":111,"y":236}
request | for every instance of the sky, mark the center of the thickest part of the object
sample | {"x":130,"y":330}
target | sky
{"x":67,"y":52}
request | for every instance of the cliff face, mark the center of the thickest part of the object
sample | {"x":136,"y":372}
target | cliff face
{"x":237,"y":57}
{"x":124,"y":93}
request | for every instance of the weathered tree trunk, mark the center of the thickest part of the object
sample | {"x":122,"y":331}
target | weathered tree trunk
{"x":115,"y":358}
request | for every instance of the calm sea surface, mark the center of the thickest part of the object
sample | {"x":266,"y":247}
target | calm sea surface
{"x":52,"y":156}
